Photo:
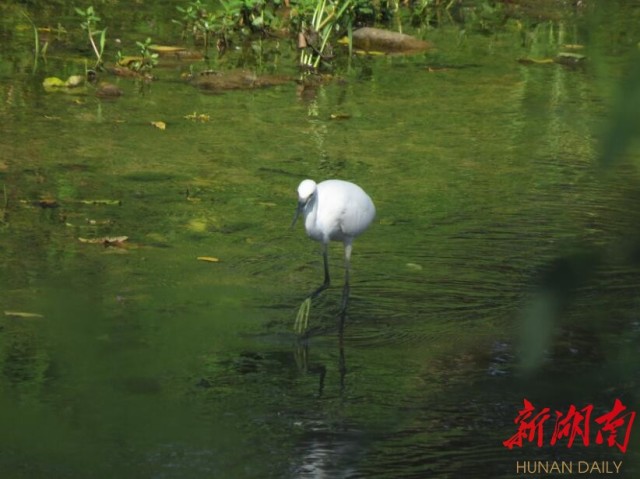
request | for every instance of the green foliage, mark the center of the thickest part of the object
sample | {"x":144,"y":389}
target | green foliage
{"x":329,"y":17}
{"x":232,"y":20}
{"x":149,"y":59}
{"x":317,"y":23}
{"x":89,"y":23}
{"x":37,"y":51}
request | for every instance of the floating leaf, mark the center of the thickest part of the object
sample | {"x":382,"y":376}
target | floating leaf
{"x":128,"y":60}
{"x":434,"y":69}
{"x":99,"y":222}
{"x":535,"y":61}
{"x":570,"y":59}
{"x":202,"y":117}
{"x":165,"y":49}
{"x":563,"y":58}
{"x":122,"y":71}
{"x":46,"y":203}
{"x":101,"y":202}
{"x":188,"y":55}
{"x":106,"y":241}
{"x":372,"y":53}
{"x":74,"y":81}
{"x":210,"y":259}
{"x":159,"y":124}
{"x":22,"y":314}
{"x":53,"y":82}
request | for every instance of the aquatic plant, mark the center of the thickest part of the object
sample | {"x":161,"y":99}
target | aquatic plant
{"x":148,"y":59}
{"x":316,"y":23}
{"x":89,"y":23}
{"x":36,"y":43}
{"x":313,"y":39}
{"x":232,"y":19}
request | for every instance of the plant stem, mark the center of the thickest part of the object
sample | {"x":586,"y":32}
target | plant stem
{"x":36,"y":39}
{"x":95,"y":48}
{"x":6,"y":204}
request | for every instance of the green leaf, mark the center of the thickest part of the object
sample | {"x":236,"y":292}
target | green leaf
{"x":53,"y":82}
{"x":103,"y":36}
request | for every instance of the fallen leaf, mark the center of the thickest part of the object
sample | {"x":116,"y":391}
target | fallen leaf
{"x":165,"y":49}
{"x":53,"y":82}
{"x":46,"y":203}
{"x":188,"y":55}
{"x":209,"y":259}
{"x":74,"y":81}
{"x":570,"y":59}
{"x":202,"y":117}
{"x":99,"y":222}
{"x":101,"y":202}
{"x":159,"y":124}
{"x":535,"y":61}
{"x":22,"y":314}
{"x":106,"y":241}
{"x":123,"y":71}
{"x":431,"y":69}
{"x":129,"y":59}
{"x":357,"y":51}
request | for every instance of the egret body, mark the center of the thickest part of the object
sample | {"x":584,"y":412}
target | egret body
{"x":334,"y":210}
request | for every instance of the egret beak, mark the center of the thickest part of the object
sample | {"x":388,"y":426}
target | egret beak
{"x":297,"y":213}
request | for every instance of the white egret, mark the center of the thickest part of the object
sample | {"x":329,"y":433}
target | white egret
{"x":333,"y":210}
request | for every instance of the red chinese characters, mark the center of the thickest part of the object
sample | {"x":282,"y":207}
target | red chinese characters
{"x":530,"y":426}
{"x":573,"y":426}
{"x":611,"y":422}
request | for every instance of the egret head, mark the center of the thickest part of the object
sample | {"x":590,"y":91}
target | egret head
{"x":306,"y":191}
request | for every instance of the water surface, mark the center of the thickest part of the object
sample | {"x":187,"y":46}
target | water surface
{"x":147,"y":362}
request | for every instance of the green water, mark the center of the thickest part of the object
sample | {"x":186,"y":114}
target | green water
{"x":147,"y":362}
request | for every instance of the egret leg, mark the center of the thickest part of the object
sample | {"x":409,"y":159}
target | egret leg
{"x":302,"y":319}
{"x":346,"y":288}
{"x":327,"y":279}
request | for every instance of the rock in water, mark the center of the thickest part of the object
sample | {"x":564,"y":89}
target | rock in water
{"x":378,"y":40}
